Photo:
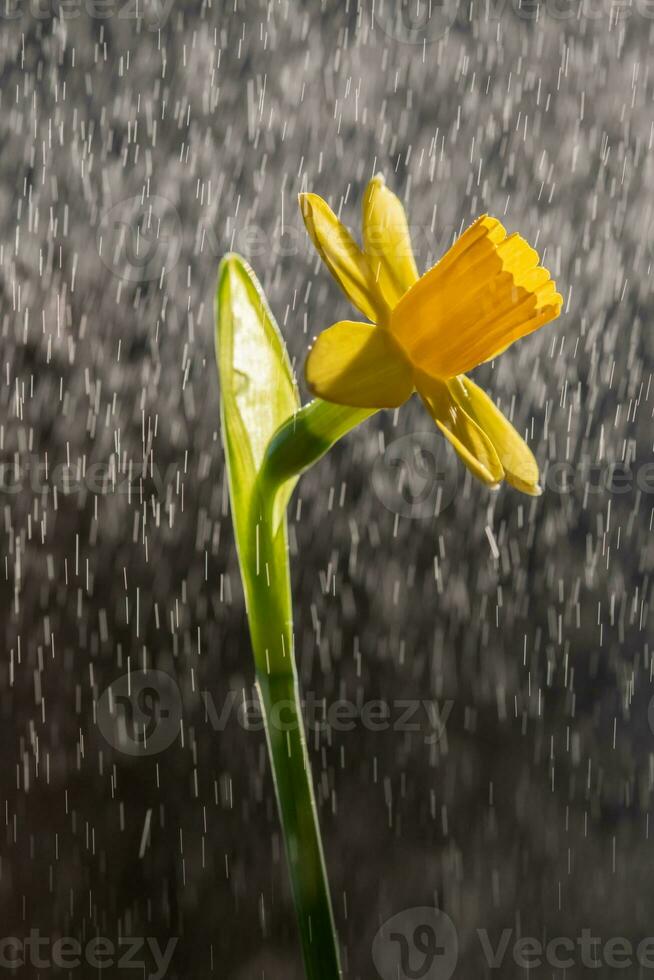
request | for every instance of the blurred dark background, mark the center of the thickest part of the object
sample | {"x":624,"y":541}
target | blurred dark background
{"x":138,"y":146}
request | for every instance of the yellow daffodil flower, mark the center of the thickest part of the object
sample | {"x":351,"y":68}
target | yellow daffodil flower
{"x":426,"y":331}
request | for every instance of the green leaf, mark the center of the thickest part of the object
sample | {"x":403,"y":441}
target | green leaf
{"x":258,"y":395}
{"x":258,"y":391}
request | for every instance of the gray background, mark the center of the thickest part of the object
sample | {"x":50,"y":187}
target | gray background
{"x":532,"y":813}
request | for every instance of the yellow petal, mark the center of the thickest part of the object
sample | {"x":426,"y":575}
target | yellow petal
{"x":515,"y":455}
{"x":359,"y":365}
{"x":484,"y":294}
{"x":387,"y":242}
{"x":343,"y":257}
{"x":470,"y":441}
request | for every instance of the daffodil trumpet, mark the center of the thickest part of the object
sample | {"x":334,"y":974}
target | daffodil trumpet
{"x":426,"y":332}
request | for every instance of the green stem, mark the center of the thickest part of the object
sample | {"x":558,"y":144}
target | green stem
{"x":307,"y":436}
{"x":280,"y":698}
{"x":270,"y":619}
{"x":294,"y":447}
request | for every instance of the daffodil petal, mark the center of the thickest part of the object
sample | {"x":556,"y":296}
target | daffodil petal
{"x":360,"y":365}
{"x":468,"y":439}
{"x":484,"y":294}
{"x":387,"y":241}
{"x":343,"y":257}
{"x":515,"y":455}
